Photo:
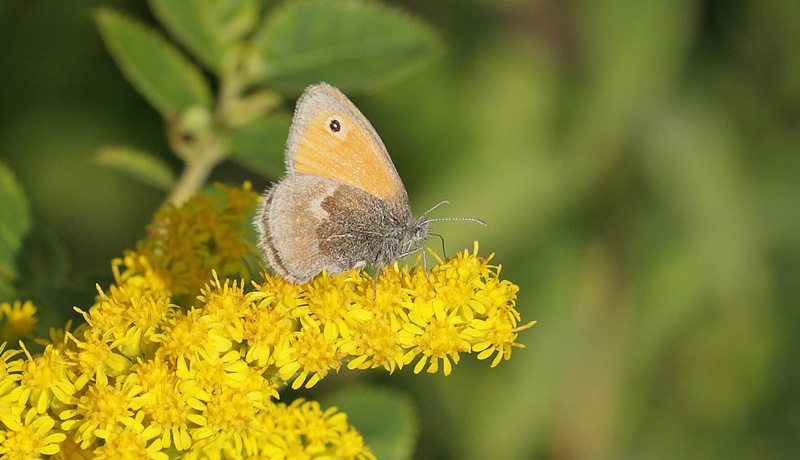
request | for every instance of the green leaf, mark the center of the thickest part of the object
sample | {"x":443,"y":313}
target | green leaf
{"x":15,"y":222}
{"x":350,"y":44}
{"x":158,"y":70}
{"x":140,"y":164}
{"x":386,"y":419}
{"x":259,"y":144}
{"x":192,"y":23}
{"x":207,"y":28}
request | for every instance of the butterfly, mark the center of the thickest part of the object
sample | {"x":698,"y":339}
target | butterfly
{"x":341,"y":204}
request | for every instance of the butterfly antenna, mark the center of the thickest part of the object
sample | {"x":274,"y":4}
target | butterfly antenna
{"x":425,"y":216}
{"x":472,"y":219}
{"x":434,"y":207}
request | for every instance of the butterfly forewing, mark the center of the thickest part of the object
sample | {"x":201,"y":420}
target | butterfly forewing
{"x":331,"y":138}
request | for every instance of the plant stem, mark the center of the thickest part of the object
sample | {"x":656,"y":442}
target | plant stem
{"x":208,"y":152}
{"x":195,"y":175}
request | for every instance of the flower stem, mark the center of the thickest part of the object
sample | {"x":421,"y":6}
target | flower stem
{"x":208,"y":150}
{"x":195,"y":175}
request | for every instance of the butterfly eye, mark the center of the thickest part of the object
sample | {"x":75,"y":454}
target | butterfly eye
{"x":335,"y":126}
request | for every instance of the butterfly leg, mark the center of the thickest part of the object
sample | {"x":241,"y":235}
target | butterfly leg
{"x":424,"y":263}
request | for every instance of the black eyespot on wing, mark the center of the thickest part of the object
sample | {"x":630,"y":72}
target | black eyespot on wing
{"x":335,"y":126}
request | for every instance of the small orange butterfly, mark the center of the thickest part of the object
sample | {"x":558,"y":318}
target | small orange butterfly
{"x":342,"y":204}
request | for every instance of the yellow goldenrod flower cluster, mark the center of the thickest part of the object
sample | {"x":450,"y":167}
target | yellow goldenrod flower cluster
{"x":147,"y":378}
{"x":308,"y":330}
{"x":184,"y":244}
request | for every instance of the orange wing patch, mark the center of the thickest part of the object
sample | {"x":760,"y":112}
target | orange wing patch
{"x":332,"y":139}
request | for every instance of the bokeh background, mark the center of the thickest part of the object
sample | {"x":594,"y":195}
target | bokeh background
{"x":639,"y":167}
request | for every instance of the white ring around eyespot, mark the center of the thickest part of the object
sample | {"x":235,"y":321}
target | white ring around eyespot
{"x":344,"y":127}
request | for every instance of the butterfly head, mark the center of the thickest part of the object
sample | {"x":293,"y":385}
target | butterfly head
{"x":418,"y":232}
{"x":405,"y":236}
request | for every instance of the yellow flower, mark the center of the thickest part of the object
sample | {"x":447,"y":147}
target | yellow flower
{"x":186,"y":335}
{"x":9,"y":369}
{"x":311,"y":354}
{"x":19,"y":320}
{"x":461,"y":306}
{"x":269,"y":325}
{"x":71,"y":450}
{"x":303,"y":430}
{"x":98,"y":412}
{"x":98,"y":360}
{"x":229,"y":414}
{"x":131,"y":322}
{"x":135,"y":274}
{"x":31,"y":437}
{"x":184,"y":244}
{"x":376,"y":344}
{"x":331,"y":306}
{"x":43,"y":381}
{"x":171,"y":402}
{"x":129,"y":440}
{"x":434,"y":335}
{"x":147,"y":378}
{"x":227,"y":305}
{"x":350,"y":445}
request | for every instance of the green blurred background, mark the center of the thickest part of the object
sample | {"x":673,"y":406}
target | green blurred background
{"x":638,"y":163}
